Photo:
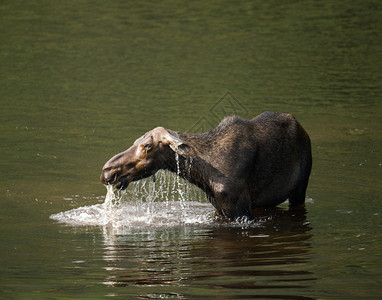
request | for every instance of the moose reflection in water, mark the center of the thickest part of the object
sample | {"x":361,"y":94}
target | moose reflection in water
{"x":266,"y":258}
{"x":241,"y":164}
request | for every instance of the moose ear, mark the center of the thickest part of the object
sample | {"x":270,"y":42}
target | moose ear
{"x":183,"y":149}
{"x":175,"y":143}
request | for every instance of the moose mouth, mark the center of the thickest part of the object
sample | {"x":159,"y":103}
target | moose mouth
{"x":122,"y":183}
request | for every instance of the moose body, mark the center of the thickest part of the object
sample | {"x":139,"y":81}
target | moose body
{"x":241,"y":164}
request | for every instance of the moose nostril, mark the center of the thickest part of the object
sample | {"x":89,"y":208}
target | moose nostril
{"x":107,"y":176}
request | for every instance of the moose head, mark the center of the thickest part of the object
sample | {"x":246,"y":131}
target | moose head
{"x":144,"y":158}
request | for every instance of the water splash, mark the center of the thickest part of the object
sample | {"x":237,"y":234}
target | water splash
{"x":169,"y":201}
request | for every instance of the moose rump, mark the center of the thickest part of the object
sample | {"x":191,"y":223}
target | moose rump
{"x":241,"y":164}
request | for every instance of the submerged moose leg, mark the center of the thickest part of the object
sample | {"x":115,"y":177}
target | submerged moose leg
{"x":237,"y":205}
{"x":297,"y":198}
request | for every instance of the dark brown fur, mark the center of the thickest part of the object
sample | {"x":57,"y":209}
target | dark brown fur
{"x":241,"y":164}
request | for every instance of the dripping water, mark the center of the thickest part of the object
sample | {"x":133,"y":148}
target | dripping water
{"x":167,"y":201}
{"x":180,"y":189}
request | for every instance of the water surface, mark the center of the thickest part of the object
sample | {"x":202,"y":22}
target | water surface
{"x":81,"y":80}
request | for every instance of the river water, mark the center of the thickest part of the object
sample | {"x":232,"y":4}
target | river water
{"x":81,"y":80}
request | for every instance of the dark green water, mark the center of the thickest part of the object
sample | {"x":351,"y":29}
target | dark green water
{"x":81,"y":80}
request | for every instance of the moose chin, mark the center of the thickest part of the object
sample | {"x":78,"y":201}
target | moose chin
{"x":241,"y":165}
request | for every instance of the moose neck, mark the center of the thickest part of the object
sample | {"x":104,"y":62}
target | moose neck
{"x":193,"y":169}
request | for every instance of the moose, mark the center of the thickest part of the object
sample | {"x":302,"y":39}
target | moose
{"x":241,"y":164}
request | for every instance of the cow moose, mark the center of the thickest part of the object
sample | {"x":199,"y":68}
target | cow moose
{"x":241,"y":164}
